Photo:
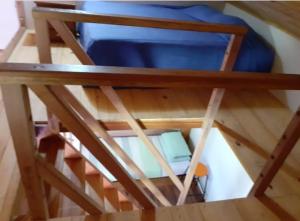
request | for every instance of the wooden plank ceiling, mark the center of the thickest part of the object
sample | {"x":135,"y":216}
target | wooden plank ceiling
{"x":283,"y":14}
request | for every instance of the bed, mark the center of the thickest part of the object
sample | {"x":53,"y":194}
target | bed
{"x":124,"y":46}
{"x":171,"y":145}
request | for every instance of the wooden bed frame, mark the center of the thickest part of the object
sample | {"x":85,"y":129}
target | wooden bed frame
{"x":48,"y":82}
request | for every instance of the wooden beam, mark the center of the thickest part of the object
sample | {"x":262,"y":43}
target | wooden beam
{"x":16,"y":73}
{"x":68,"y":37}
{"x":43,"y":40}
{"x":63,"y":184}
{"x":147,"y":124}
{"x":6,"y":52}
{"x":44,"y":52}
{"x":18,"y":112}
{"x":101,"y":132}
{"x":283,"y":148}
{"x":21,"y":13}
{"x":50,"y":146}
{"x":211,"y":113}
{"x":81,"y":130}
{"x":163,"y":123}
{"x":83,"y":16}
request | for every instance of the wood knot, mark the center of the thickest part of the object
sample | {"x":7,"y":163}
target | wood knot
{"x":237,"y":143}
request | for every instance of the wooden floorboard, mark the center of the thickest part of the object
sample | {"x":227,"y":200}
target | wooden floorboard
{"x":9,"y":171}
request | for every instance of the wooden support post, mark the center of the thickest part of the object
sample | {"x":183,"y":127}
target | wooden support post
{"x":211,"y":112}
{"x":80,"y":129}
{"x":44,"y":51}
{"x":283,"y":148}
{"x":60,"y":182}
{"x":20,"y":122}
{"x":50,"y":146}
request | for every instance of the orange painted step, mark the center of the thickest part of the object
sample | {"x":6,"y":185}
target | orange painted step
{"x":107,"y":184}
{"x":90,"y":170}
{"x":125,"y":204}
{"x":112,"y":196}
{"x":96,"y":182}
{"x":70,"y":152}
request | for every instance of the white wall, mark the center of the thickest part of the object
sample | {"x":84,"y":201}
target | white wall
{"x":227,"y":177}
{"x":287,"y":49}
{"x":9,"y":22}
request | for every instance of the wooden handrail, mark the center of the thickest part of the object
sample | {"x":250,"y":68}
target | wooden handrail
{"x":83,"y":16}
{"x":17,"y":73}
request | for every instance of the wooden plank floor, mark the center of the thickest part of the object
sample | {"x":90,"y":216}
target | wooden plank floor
{"x":256,"y":115}
{"x":233,"y":210}
{"x":9,"y":171}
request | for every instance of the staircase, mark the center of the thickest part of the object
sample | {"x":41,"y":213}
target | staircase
{"x":68,"y":159}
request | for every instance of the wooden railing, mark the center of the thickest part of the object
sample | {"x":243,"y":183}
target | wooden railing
{"x":57,"y":18}
{"x":142,"y":77}
{"x":47,"y":82}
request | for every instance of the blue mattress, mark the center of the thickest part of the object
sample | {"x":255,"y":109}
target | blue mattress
{"x":114,"y":45}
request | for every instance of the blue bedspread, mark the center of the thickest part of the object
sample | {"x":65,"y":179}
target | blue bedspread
{"x":113,"y":45}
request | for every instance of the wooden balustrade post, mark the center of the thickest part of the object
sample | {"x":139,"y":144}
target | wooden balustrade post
{"x":19,"y":117}
{"x":44,"y":52}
